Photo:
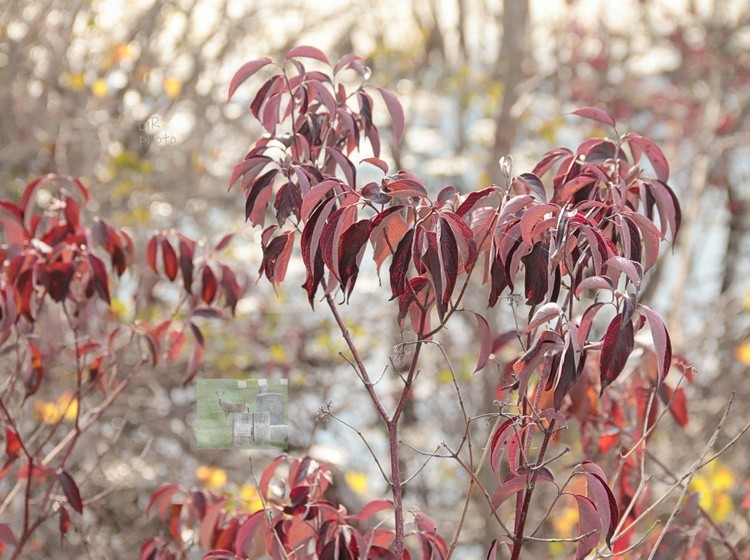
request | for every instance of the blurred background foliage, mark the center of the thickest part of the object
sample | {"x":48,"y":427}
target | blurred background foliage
{"x":131,"y":96}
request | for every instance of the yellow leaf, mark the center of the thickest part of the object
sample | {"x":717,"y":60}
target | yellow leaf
{"x":742,"y":353}
{"x":99,"y":88}
{"x":250,"y":498}
{"x":713,"y":486}
{"x":123,"y":51}
{"x":277,"y":352}
{"x":212,"y":478}
{"x":445,"y":377}
{"x":67,"y":405}
{"x":74,"y":80}
{"x":357,"y":481}
{"x":172,"y":86}
{"x":46,"y":412}
{"x":51,"y":413}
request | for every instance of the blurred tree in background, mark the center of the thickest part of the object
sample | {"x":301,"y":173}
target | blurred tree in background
{"x":131,"y":96}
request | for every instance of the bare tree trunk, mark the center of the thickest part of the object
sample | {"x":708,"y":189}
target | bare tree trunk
{"x":513,"y":51}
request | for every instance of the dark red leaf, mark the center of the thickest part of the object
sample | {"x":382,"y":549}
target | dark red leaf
{"x":350,"y":252}
{"x":187,"y":252}
{"x":245,"y":71}
{"x":400,"y":263}
{"x":170,"y":259}
{"x":595,"y":115}
{"x":536,"y":279}
{"x":209,"y":285}
{"x":617,"y":346}
{"x":258,"y":197}
{"x":151,"y":253}
{"x":230,"y":287}
{"x":288,"y":201}
{"x":58,"y":278}
{"x":71,"y":491}
{"x":99,"y":276}
{"x":276,"y":257}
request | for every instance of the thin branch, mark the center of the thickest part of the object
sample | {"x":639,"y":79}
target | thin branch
{"x":690,"y":475}
{"x":327,"y":412}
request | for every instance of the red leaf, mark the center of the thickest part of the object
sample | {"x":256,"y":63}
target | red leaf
{"x":57,"y":280}
{"x":268,"y":472}
{"x":379,"y":163}
{"x":662,"y":342}
{"x":514,"y":483}
{"x":498,"y":444}
{"x":12,"y":442}
{"x":400,"y":263}
{"x":175,"y":525}
{"x":245,"y":71}
{"x":6,"y":535}
{"x":224,"y":242}
{"x":276,"y":257}
{"x":396,"y":111}
{"x":151,"y":253}
{"x":485,"y":342}
{"x":678,"y":406}
{"x":545,"y":313}
{"x":594,"y":283}
{"x":533,"y":216}
{"x":373,"y":507}
{"x":187,"y":252}
{"x":601,"y":494}
{"x":536,"y":277}
{"x":71,"y":491}
{"x":595,"y":115}
{"x":350,"y":252}
{"x":209,"y":285}
{"x":349,"y":61}
{"x":196,"y":356}
{"x":631,"y":269}
{"x":588,"y":522}
{"x":170,"y":259}
{"x":99,"y":277}
{"x":258,"y":197}
{"x":653,"y":153}
{"x":617,"y":345}
{"x":162,"y":498}
{"x":288,"y":201}
{"x":230,"y":286}
{"x":308,"y":52}
{"x":64,"y":521}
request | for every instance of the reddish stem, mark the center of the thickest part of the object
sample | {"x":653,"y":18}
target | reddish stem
{"x":518,"y":539}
